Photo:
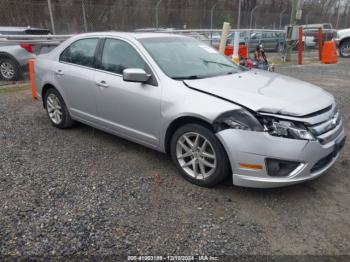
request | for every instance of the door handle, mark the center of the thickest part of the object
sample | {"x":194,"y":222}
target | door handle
{"x":102,"y":84}
{"x":59,"y":73}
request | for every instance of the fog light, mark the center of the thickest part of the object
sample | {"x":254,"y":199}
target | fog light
{"x":280,"y":168}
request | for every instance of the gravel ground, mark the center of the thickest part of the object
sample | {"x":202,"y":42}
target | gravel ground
{"x":82,"y":191}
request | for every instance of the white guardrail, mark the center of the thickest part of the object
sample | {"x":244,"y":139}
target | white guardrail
{"x":33,"y":39}
{"x":206,"y":35}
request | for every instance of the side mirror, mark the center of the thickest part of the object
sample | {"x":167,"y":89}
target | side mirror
{"x":135,"y":75}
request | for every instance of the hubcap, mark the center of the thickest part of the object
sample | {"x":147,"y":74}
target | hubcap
{"x":7,"y":70}
{"x":196,"y":155}
{"x":54,"y":108}
{"x":345,"y":49}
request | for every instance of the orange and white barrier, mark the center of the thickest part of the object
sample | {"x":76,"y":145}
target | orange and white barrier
{"x":32,"y":78}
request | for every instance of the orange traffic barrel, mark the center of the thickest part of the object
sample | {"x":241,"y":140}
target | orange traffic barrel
{"x":242,"y":51}
{"x":329,"y":53}
{"x":32,"y":78}
{"x":229,"y":50}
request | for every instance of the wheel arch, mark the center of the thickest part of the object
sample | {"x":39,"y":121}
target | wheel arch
{"x":8,"y":55}
{"x":346,"y":39}
{"x":44,"y":89}
{"x":181,"y":121}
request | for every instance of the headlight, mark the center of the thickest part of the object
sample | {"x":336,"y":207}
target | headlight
{"x":244,"y":120}
{"x":238,"y":119}
{"x":287,"y":129}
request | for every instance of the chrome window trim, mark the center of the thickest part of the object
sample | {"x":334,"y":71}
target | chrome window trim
{"x":108,"y":72}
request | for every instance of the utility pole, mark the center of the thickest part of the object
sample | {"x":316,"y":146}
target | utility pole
{"x":212,"y":22}
{"x":51,"y":17}
{"x":84,"y":15}
{"x":157,"y":13}
{"x":338,"y":15}
{"x":239,"y":14}
{"x":293,"y":20}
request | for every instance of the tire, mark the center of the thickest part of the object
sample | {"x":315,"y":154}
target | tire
{"x":208,"y":160}
{"x":56,"y":109}
{"x":9,"y":69}
{"x":342,"y":49}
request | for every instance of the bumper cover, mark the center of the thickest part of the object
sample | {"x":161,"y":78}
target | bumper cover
{"x":255,"y":147}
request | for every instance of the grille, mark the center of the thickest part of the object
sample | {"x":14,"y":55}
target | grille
{"x":329,"y":129}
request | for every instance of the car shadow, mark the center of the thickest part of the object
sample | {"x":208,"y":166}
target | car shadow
{"x":224,"y":187}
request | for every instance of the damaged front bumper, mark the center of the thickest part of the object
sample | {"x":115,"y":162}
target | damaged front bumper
{"x":312,"y":158}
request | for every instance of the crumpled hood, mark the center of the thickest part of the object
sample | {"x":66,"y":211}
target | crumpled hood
{"x":263,"y":91}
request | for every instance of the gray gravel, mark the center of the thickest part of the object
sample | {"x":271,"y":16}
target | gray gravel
{"x":82,"y":191}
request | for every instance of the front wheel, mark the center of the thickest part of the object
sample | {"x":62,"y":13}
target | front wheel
{"x":344,"y":49}
{"x":199,"y":155}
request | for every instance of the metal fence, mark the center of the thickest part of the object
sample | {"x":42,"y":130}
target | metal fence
{"x":74,"y":16}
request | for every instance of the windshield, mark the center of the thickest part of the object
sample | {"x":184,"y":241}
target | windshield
{"x":187,"y":58}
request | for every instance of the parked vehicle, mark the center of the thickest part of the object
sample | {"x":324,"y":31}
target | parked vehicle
{"x":14,"y":58}
{"x":312,"y":30}
{"x":342,"y":38}
{"x":213,"y":117}
{"x":308,"y":42}
{"x":273,"y":41}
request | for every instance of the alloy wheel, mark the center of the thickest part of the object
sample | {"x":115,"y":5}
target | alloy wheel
{"x":345,"y":49}
{"x":54,"y":109}
{"x":7,"y":70}
{"x":196,"y":155}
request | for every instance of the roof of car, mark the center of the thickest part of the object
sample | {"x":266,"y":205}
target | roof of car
{"x":135,"y":35}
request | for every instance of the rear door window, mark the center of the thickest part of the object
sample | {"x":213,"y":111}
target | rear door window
{"x":80,"y":52}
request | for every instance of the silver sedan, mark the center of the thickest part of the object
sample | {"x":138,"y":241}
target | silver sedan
{"x":177,"y":95}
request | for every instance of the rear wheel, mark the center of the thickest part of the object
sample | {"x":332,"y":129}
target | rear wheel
{"x":199,"y":155}
{"x":344,"y":49}
{"x":9,"y":69}
{"x":57,"y":110}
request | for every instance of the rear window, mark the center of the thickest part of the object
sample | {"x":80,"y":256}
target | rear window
{"x":81,"y":52}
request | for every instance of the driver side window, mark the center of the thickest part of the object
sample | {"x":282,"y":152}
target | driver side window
{"x":119,"y":55}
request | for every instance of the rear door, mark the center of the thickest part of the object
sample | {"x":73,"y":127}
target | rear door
{"x":75,"y":75}
{"x":129,"y":109}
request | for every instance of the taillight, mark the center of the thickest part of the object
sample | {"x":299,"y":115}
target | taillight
{"x":27,"y":47}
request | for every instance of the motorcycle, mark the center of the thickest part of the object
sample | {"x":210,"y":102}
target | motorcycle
{"x":259,"y":62}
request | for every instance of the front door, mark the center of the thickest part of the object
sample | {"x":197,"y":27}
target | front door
{"x":130,"y":109}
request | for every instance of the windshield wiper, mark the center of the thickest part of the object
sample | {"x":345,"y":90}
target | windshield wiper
{"x":186,"y":77}
{"x":218,"y":63}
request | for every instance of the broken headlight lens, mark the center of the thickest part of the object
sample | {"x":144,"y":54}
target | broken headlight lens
{"x":287,"y":129}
